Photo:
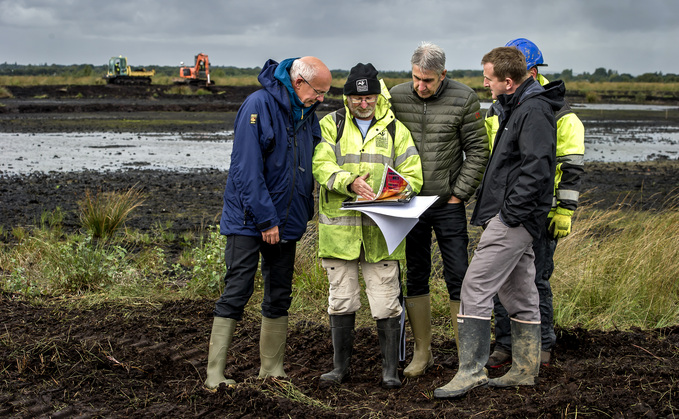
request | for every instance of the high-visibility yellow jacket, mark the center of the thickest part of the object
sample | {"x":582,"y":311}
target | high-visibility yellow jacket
{"x":338,"y":162}
{"x":570,"y":154}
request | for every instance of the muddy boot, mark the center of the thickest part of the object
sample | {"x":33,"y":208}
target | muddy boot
{"x":474,"y":348}
{"x":388,"y":331}
{"x":454,"y":310}
{"x":525,"y":356}
{"x":272,"y":346}
{"x":419,"y":316}
{"x":220,"y":340}
{"x":342,"y":330}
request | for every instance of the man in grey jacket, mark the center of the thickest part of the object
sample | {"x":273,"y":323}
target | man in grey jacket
{"x":445,"y":120}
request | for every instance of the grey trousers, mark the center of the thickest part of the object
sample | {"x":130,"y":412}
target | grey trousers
{"x":503,"y":264}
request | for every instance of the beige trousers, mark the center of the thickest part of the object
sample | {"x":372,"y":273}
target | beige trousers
{"x":382,"y":286}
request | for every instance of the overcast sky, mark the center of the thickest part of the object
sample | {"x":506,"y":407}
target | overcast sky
{"x":628,"y":36}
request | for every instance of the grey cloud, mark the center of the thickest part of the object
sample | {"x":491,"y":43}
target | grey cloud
{"x":579,"y":34}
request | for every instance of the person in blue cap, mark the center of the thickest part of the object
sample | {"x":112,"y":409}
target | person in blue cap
{"x":570,"y":153}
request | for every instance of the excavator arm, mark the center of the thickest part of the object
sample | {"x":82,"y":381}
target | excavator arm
{"x":199,"y":73}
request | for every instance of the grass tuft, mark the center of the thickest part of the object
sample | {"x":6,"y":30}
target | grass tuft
{"x":5,"y":93}
{"x":103,"y":213}
{"x":618,"y":269}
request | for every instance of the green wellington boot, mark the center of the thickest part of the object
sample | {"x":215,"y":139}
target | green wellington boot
{"x":474,"y":348}
{"x":419,"y":316}
{"x":272,"y":340}
{"x":220,"y":340}
{"x":454,"y":310}
{"x":526,"y":343}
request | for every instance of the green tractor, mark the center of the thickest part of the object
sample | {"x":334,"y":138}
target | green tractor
{"x":121,"y":73}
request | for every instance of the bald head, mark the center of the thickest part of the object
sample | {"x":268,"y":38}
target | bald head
{"x":311,"y":79}
{"x":312,"y":69}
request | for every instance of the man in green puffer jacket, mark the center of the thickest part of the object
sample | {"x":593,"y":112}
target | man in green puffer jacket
{"x":346,"y":165}
{"x":444,"y":117}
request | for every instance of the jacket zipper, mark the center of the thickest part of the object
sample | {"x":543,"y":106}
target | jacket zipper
{"x":292,"y":191}
{"x":424,"y":121}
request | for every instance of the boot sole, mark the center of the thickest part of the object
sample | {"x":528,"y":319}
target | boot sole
{"x":214,"y":390}
{"x":329,"y":383}
{"x":419,"y":373}
{"x":452,"y":395}
{"x":495,"y":385}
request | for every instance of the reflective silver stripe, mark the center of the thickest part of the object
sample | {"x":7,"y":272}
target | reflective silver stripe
{"x":364,"y":158}
{"x":410,"y":151}
{"x":347,"y":221}
{"x":574,"y":159}
{"x":331,"y":181}
{"x":333,"y":177}
{"x":367,"y":221}
{"x":338,"y":153}
{"x":349,"y":159}
{"x":567,"y":195}
{"x":376,"y":158}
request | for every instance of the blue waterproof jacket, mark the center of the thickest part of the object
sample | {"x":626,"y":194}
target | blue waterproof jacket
{"x":270,"y":181}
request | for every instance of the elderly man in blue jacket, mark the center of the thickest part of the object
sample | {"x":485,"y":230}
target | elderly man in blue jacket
{"x":268,"y":201}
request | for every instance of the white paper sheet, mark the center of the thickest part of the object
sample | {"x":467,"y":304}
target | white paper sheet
{"x":395,"y":221}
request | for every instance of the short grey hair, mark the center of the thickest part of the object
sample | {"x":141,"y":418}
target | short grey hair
{"x":429,"y":57}
{"x":306,"y":70}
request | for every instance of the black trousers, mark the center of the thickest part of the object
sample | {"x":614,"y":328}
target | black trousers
{"x":449,"y":223}
{"x":241,"y":255}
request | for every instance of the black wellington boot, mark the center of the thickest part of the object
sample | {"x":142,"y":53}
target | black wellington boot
{"x":389,"y":333}
{"x":342,"y":330}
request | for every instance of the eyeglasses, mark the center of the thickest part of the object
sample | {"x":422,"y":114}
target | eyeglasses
{"x":368,"y":100}
{"x":313,"y":88}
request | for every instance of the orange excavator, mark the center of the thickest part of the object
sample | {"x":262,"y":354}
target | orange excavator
{"x":198,"y":75}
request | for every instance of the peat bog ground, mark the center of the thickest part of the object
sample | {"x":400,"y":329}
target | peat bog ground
{"x":149,"y":360}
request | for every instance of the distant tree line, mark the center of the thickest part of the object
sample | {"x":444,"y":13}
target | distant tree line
{"x":87,"y":70}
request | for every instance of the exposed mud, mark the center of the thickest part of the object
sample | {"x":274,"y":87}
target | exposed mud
{"x":149,"y":361}
{"x":146,"y":361}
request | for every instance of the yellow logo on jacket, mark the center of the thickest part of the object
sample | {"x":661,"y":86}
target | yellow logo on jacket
{"x":253,"y":118}
{"x":382,"y":139}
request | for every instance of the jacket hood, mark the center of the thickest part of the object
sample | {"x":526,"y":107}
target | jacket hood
{"x":272,"y":85}
{"x":552,"y":93}
{"x":555,"y":93}
{"x":275,"y":79}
